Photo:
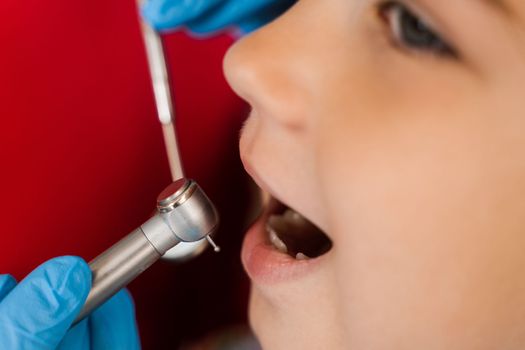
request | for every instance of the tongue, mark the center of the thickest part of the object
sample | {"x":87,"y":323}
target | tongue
{"x":299,"y":234}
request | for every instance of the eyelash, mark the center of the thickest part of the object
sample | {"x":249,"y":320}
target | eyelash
{"x":411,"y":32}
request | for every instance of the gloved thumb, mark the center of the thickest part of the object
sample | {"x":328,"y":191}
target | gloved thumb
{"x":38,"y":312}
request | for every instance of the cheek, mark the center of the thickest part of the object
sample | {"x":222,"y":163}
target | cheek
{"x":427,"y":223}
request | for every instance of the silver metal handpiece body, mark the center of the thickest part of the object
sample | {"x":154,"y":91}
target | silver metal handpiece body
{"x":184,"y":214}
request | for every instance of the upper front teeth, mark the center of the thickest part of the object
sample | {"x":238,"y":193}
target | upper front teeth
{"x":276,"y":241}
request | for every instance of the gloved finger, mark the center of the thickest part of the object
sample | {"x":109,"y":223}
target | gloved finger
{"x":249,"y":24}
{"x":232,"y":13}
{"x":37,"y":313}
{"x":113,"y":325}
{"x":77,"y":338}
{"x":170,"y":14}
{"x":7,"y":283}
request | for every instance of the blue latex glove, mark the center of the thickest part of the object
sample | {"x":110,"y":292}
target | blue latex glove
{"x":37,"y":313}
{"x":208,"y":16}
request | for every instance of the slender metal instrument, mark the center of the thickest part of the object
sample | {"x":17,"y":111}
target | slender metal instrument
{"x":164,"y":102}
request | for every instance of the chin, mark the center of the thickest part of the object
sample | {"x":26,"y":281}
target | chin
{"x":270,"y":327}
{"x":279,"y":323}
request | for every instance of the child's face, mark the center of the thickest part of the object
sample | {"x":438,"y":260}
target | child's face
{"x":406,"y":146}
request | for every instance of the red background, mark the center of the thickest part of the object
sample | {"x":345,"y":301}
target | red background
{"x":82,"y":158}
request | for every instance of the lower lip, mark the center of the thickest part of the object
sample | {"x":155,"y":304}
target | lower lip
{"x":264,"y":263}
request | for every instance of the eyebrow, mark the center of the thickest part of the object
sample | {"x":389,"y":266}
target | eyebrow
{"x":500,"y":5}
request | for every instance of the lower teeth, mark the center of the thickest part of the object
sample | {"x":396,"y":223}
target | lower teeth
{"x":301,"y":256}
{"x":280,"y":245}
{"x":276,"y":241}
{"x":289,"y":220}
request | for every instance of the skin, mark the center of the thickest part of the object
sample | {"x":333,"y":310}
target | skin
{"x":411,"y":162}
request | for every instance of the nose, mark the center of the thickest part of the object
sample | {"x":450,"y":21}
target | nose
{"x":266,"y":70}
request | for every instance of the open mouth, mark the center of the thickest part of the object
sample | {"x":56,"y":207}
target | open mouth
{"x":282,"y":244}
{"x":291,"y":233}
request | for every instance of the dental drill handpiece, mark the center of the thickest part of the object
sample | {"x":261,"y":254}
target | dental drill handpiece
{"x":184,"y":214}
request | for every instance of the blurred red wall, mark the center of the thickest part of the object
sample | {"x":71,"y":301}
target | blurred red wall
{"x":82,"y":158}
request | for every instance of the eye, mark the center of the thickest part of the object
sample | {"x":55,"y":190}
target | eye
{"x":411,"y":32}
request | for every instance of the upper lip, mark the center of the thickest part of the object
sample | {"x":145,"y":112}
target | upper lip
{"x":265,"y":187}
{"x":259,"y":181}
